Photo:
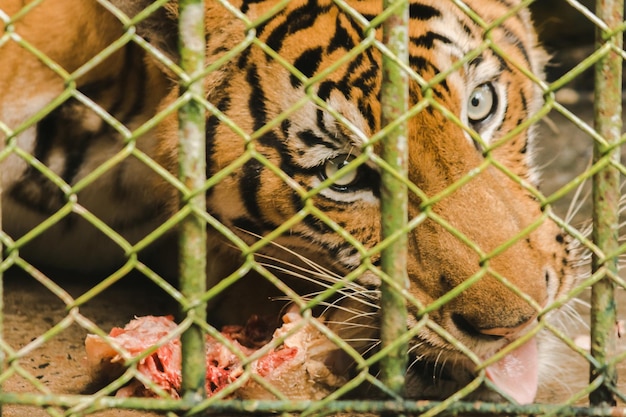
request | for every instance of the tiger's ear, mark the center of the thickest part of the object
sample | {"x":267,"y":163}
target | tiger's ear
{"x":160,"y":28}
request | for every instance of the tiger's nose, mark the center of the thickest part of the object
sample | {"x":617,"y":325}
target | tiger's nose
{"x":476,"y":328}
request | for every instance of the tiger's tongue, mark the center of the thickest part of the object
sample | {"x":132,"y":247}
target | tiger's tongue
{"x":517,"y":373}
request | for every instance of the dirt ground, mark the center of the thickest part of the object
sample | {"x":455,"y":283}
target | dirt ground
{"x":60,"y":364}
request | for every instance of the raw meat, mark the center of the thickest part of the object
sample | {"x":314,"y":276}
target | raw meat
{"x":296,"y":368}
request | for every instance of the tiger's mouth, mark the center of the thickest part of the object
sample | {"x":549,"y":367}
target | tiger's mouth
{"x":515,"y":376}
{"x":517,"y":373}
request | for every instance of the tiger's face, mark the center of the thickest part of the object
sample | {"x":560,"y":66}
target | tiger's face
{"x":475,"y":215}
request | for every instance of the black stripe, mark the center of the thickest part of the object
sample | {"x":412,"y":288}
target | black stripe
{"x":467,"y":29}
{"x":318,"y":226}
{"x":128,"y":88}
{"x":310,"y":139}
{"x":307,"y":63}
{"x":285,"y":125}
{"x":250,"y":225}
{"x":423,"y":12}
{"x":518,"y":44}
{"x":46,"y":133}
{"x":249,"y":186}
{"x":365,"y":107}
{"x":368,"y":82}
{"x":323,"y":92}
{"x":476,"y":61}
{"x":210,"y":130}
{"x":34,"y":189}
{"x":369,"y":17}
{"x":287,"y":164}
{"x":341,"y":38}
{"x":421,"y":65}
{"x":525,"y":147}
{"x":271,"y":140}
{"x":218,"y":50}
{"x":507,"y":3}
{"x":245,"y":6}
{"x":256,"y":102}
{"x":75,"y":154}
{"x":244,"y":58}
{"x":428,"y":40}
{"x":298,"y":19}
{"x":524,"y":102}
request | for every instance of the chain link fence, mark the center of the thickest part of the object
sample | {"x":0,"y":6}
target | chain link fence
{"x":114,"y":93}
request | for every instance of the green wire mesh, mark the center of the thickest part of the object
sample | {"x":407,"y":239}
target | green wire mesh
{"x":192,"y":218}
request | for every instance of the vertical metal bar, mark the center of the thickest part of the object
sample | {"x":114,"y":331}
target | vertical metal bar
{"x":192,"y":172}
{"x":606,"y":193}
{"x":395,"y":102}
{"x":2,"y":353}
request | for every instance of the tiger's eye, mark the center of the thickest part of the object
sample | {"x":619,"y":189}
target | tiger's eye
{"x":482,"y":103}
{"x":333,"y":165}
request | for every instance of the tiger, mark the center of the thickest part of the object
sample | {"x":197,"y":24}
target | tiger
{"x":489,"y":81}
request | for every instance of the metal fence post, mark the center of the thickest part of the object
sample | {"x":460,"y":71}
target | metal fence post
{"x":192,"y":173}
{"x":2,"y":353}
{"x":394,"y":196}
{"x":606,"y":196}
